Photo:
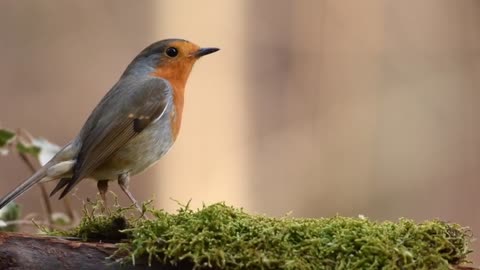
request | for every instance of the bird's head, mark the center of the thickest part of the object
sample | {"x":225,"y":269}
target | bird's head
{"x":171,"y":59}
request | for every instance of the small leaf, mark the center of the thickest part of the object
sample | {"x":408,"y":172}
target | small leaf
{"x":6,"y":136}
{"x":47,"y":150}
{"x":28,"y":149}
{"x":10,"y":212}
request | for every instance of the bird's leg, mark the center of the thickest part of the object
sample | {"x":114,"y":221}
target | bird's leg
{"x":102,"y":186}
{"x":123,"y":181}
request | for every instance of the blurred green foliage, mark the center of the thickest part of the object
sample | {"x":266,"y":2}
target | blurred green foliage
{"x":6,"y":136}
{"x":38,"y":148}
{"x":10,"y":212}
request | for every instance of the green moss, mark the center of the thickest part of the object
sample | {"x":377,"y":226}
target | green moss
{"x":96,"y":225}
{"x":223,"y":237}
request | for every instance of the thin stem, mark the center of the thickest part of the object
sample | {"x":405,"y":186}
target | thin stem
{"x":23,"y":134}
{"x":23,"y":222}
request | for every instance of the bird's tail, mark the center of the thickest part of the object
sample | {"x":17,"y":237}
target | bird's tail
{"x":26,"y":185}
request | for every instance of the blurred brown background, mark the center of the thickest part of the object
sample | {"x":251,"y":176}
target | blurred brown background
{"x":315,"y":107}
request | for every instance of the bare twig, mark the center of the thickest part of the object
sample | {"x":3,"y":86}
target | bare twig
{"x":23,"y":134}
{"x":24,"y":222}
{"x":31,"y":222}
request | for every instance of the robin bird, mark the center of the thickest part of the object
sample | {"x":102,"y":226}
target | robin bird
{"x":131,"y":128}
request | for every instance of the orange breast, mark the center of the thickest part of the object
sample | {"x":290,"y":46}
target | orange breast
{"x":176,"y":115}
{"x":176,"y":74}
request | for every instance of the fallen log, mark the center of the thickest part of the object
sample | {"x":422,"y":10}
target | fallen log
{"x":224,"y":237}
{"x":23,"y":251}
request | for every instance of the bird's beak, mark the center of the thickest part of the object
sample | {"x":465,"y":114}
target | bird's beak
{"x":204,"y":51}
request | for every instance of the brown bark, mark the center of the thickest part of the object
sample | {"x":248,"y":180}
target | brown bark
{"x":22,"y":251}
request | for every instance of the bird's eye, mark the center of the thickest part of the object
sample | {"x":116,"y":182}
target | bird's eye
{"x":171,"y":52}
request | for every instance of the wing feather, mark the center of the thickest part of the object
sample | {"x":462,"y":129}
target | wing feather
{"x":125,"y":113}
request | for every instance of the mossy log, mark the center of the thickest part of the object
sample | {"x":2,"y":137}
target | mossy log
{"x":224,"y":237}
{"x":23,"y":251}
